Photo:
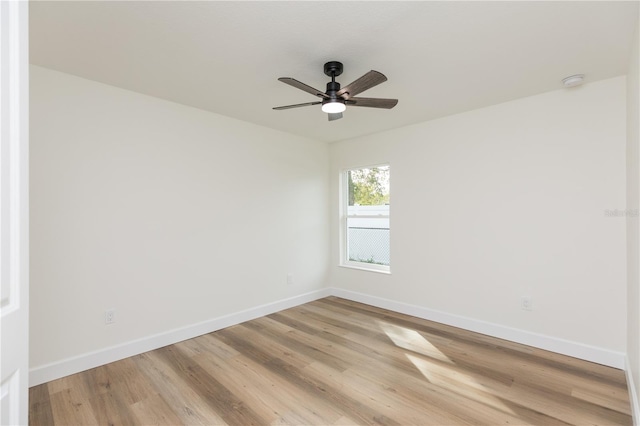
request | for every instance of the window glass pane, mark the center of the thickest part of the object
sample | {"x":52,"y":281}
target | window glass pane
{"x":367,"y":220}
{"x":368,"y":240}
{"x":369,"y":187}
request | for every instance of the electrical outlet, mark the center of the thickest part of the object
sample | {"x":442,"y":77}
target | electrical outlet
{"x":526,"y":303}
{"x":110,"y":316}
{"x":289,"y":279}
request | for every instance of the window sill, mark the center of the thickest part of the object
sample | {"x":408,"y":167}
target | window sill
{"x":356,"y":265}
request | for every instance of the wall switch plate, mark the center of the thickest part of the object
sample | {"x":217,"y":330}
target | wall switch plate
{"x":526,"y":303}
{"x":289,"y":279}
{"x":110,"y":316}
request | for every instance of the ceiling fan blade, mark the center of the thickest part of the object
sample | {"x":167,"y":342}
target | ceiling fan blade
{"x":367,"y":81}
{"x":299,"y":85}
{"x":372,"y":102}
{"x":335,"y":116}
{"x":297,"y":105}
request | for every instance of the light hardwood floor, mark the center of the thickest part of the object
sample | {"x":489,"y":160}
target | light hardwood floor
{"x":334,"y":361}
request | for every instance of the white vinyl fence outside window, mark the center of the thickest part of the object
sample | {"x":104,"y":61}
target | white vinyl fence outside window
{"x":368,"y":234}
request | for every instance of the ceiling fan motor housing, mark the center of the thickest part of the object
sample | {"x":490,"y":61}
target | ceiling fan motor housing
{"x":332,"y":89}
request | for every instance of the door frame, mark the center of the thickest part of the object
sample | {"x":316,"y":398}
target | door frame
{"x":14,"y":212}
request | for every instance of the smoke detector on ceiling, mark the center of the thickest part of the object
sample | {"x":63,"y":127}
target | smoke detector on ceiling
{"x":573,"y":80}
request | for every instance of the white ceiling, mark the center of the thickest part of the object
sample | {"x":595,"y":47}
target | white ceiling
{"x":441,"y":58}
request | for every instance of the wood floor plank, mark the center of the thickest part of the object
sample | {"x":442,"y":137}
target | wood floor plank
{"x":308,"y":347}
{"x":613,"y":399}
{"x":71,"y":408}
{"x":40,"y":406}
{"x":393,"y":403}
{"x":306,"y":383}
{"x":154,"y":410}
{"x":335,"y":361}
{"x":110,"y":409}
{"x":271,"y":394}
{"x":230,"y":407}
{"x":185,"y":401}
{"x":131,"y":385}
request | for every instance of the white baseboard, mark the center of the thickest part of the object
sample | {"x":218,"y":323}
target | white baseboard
{"x":553,"y":344}
{"x":56,"y":370}
{"x":633,"y":395}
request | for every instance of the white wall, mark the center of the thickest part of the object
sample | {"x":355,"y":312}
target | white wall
{"x":169,"y":214}
{"x":633,"y":206}
{"x":506,"y":201}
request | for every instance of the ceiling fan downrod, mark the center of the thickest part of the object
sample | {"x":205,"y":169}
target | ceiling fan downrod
{"x":333,"y":69}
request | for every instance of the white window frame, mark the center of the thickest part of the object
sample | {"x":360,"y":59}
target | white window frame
{"x":344,"y":217}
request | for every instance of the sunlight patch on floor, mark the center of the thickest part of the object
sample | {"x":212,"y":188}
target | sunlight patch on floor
{"x":457,"y":382}
{"x":413,"y":341}
{"x":437,"y":373}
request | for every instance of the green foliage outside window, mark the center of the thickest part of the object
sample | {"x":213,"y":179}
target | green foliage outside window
{"x":369,"y":187}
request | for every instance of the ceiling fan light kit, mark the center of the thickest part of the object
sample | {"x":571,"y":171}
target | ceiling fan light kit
{"x":335,"y":100}
{"x":333,"y":107}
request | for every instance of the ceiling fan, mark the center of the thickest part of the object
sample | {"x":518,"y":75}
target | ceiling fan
{"x":335,"y":100}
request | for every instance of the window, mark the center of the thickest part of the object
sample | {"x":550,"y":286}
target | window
{"x":365,"y":218}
